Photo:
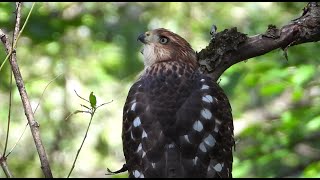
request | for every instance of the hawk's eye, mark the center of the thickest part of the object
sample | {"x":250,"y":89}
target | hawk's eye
{"x":164,"y":40}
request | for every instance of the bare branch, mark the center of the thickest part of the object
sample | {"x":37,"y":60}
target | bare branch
{"x":230,"y":46}
{"x":17,"y":26}
{"x":34,"y":126}
{"x":5,"y":167}
{"x":104,"y":104}
{"x":76,"y":112}
{"x":81,"y":97}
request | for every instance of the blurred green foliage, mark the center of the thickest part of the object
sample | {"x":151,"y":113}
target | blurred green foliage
{"x":93,"y":47}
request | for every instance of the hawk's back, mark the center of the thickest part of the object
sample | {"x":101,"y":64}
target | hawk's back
{"x":177,"y":123}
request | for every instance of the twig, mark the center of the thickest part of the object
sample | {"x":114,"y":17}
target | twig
{"x":44,"y":91}
{"x":17,"y":26}
{"x":91,"y":111}
{"x":5,"y":167}
{"x":81,"y":97}
{"x":9,"y":51}
{"x":78,"y":152}
{"x":76,"y":112}
{"x":34,"y":126}
{"x":24,"y":130}
{"x":9,"y":116}
{"x":104,"y":104}
{"x":230,"y":46}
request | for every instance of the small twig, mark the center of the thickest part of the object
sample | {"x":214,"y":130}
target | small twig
{"x":76,"y":112}
{"x":81,"y":97}
{"x":104,"y":104}
{"x":44,"y":91}
{"x":78,"y":152}
{"x":9,"y":116}
{"x":2,"y":34}
{"x":5,"y":167}
{"x":85,"y":106}
{"x":16,"y":33}
{"x":17,"y":141}
{"x":91,"y":111}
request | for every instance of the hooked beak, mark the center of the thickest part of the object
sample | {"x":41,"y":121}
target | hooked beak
{"x":142,"y":38}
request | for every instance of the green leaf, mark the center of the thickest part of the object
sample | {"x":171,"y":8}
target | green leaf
{"x":297,"y":93}
{"x":272,"y":89}
{"x":314,"y":124}
{"x":93,"y":100}
{"x":303,"y":74}
{"x":312,"y":171}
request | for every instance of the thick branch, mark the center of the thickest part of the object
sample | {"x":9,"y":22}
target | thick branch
{"x":34,"y":126}
{"x":230,"y":46}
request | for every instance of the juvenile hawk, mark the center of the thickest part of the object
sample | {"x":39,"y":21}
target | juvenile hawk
{"x":177,"y":122}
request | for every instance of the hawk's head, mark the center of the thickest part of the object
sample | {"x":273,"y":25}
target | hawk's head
{"x":164,"y":45}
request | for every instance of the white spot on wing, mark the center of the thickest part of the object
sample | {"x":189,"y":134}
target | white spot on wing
{"x":209,"y":140}
{"x":206,"y":114}
{"x":197,"y":125}
{"x":143,"y":154}
{"x":139,"y":147}
{"x":195,"y":160}
{"x":186,"y":138}
{"x":141,"y":176}
{"x":133,"y":107}
{"x":205,"y":87}
{"x":132,"y":136}
{"x":136,"y":122}
{"x":218,"y":167}
{"x":207,"y":99}
{"x":136,"y":173}
{"x":202,"y":80}
{"x":216,"y":129}
{"x":144,"y":134}
{"x":202,"y":147}
{"x":171,"y":145}
{"x":153,"y":165}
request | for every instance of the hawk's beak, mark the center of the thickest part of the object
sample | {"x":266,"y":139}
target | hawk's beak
{"x":141,"y":38}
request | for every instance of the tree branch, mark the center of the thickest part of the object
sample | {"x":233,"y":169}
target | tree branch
{"x":5,"y":167}
{"x":230,"y":46}
{"x":34,"y":126}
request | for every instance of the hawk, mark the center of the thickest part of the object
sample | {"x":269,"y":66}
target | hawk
{"x":177,"y":122}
